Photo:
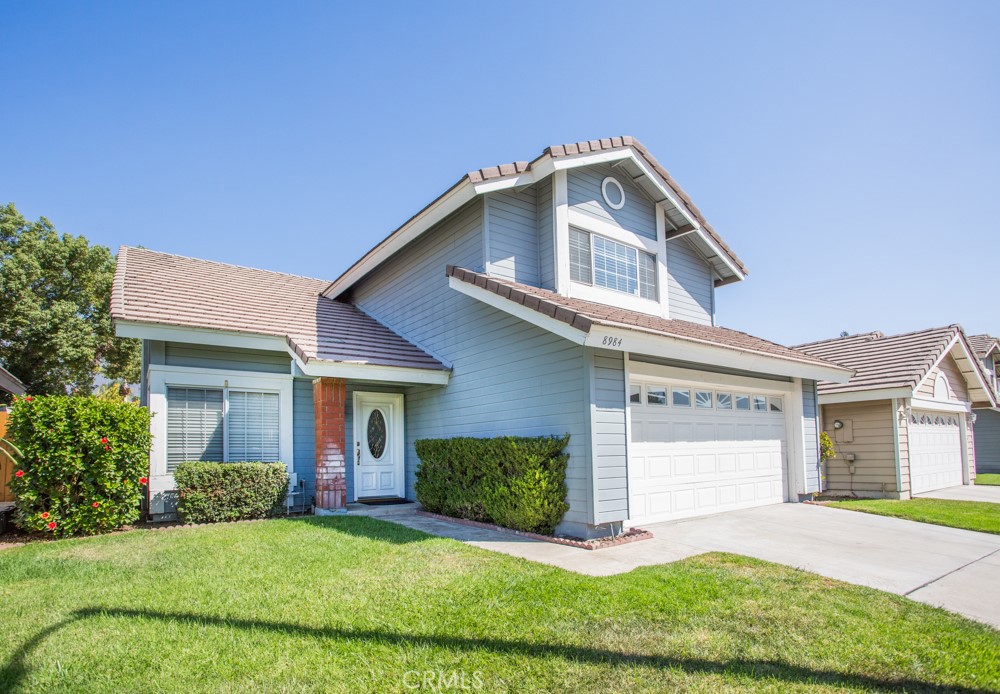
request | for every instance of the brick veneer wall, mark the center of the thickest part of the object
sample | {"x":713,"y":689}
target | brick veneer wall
{"x":329,"y":400}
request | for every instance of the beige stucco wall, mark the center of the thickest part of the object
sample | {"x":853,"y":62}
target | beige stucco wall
{"x":868,"y":434}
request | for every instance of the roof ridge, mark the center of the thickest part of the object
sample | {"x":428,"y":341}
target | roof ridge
{"x":882,"y":336}
{"x":224,"y":264}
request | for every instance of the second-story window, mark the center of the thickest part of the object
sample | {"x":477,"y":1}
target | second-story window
{"x":605,"y":263}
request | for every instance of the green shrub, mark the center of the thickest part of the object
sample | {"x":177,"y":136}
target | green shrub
{"x":515,"y":482}
{"x":216,"y":492}
{"x":82,"y":465}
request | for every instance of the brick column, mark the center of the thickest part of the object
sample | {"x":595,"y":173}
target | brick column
{"x":329,"y":399}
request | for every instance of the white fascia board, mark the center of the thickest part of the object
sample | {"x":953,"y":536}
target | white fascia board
{"x":518,"y":311}
{"x":372,"y":372}
{"x":450,"y":202}
{"x":669,"y":347}
{"x":200,"y":336}
{"x":940,"y":405}
{"x":645,"y":371}
{"x":865,"y":395}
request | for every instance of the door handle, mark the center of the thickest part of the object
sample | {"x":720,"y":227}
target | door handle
{"x":359,"y":454}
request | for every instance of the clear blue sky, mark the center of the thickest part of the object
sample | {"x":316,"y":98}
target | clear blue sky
{"x":848,"y":151}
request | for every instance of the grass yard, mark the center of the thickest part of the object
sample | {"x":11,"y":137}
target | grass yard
{"x":989,"y":479}
{"x":968,"y":515}
{"x":356,"y":604}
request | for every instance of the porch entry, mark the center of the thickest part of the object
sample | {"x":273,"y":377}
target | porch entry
{"x":378,"y":446}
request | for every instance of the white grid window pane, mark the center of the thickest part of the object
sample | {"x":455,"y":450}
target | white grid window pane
{"x":194,"y":426}
{"x":703,"y":399}
{"x":635,"y":393}
{"x":743,"y":402}
{"x":579,"y":256}
{"x":759,"y":403}
{"x":647,"y":276}
{"x":724,"y":401}
{"x":681,"y":397}
{"x":656,"y":396}
{"x":615,"y":266}
{"x":253,"y":427}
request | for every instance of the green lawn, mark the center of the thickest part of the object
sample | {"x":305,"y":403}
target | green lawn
{"x":989,"y":479}
{"x":355,"y":604}
{"x":968,"y":515}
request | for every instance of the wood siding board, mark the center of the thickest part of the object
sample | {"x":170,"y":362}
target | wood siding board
{"x":873,"y":445}
{"x":609,"y":437}
{"x":956,"y":379}
{"x":304,"y":433}
{"x":226,"y":358}
{"x":513,"y":235}
{"x":508,"y":377}
{"x":546,"y":235}
{"x":689,"y":283}
{"x":987,"y":441}
{"x":584,"y":190}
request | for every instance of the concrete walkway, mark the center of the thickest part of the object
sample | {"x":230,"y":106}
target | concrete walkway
{"x":955,"y":569}
{"x":967,"y":492}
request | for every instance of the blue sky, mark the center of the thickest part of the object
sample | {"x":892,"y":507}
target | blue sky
{"x":848,"y":151}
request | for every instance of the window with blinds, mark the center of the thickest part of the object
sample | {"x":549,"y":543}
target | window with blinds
{"x":606,"y":263}
{"x":194,"y":425}
{"x":579,"y":256}
{"x":216,"y":425}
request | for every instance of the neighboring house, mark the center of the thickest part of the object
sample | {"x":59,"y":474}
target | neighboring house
{"x":901,"y":424}
{"x":572,"y":294}
{"x":9,"y":383}
{"x":987,"y":420}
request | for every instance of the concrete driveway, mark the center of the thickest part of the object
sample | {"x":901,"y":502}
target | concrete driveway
{"x":967,"y":492}
{"x":955,"y":569}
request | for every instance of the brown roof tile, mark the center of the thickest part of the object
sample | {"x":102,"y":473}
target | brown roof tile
{"x":583,"y":315}
{"x":983,"y":344}
{"x":880,"y":361}
{"x":166,"y":289}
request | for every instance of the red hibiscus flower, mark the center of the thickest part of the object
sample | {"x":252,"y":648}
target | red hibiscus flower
{"x":143,"y":480}
{"x":95,"y":504}
{"x":45,"y":514}
{"x":104,"y":439}
{"x":19,"y":473}
{"x":107,"y":448}
{"x":28,"y":398}
{"x":52,"y":525}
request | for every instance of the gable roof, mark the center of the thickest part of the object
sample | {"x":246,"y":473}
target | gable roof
{"x":153,"y":288}
{"x":10,"y":383}
{"x":882,"y":362}
{"x":984,"y":345}
{"x":524,"y":173}
{"x":583,"y":316}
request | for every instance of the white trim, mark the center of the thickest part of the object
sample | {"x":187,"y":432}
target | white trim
{"x":451,"y":201}
{"x":967,"y":459}
{"x":864,"y":395}
{"x":586,"y":222}
{"x":694,"y":377}
{"x":795,"y":444}
{"x":671,"y":347}
{"x":939,"y":405}
{"x":395,"y":401}
{"x":160,"y":377}
{"x":662,"y":271}
{"x":518,"y":311}
{"x":487,"y":250}
{"x":604,"y":192}
{"x":895,"y":442}
{"x":560,"y":218}
{"x":613,"y":297}
{"x":200,"y":336}
{"x":627,"y":370}
{"x":969,"y":356}
{"x":372,"y":372}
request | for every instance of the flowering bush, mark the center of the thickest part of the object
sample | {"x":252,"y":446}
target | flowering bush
{"x":83,"y":463}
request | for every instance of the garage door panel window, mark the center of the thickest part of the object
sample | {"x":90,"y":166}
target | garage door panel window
{"x":742,"y":402}
{"x":724,"y":401}
{"x":681,"y":397}
{"x":635,"y":394}
{"x":759,"y":403}
{"x":656,"y":396}
{"x":703,"y":399}
{"x":775,"y":405}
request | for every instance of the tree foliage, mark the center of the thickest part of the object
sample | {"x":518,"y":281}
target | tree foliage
{"x":55,"y":316}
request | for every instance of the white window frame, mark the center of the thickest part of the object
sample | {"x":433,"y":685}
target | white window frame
{"x":636,"y":250}
{"x":161,"y":377}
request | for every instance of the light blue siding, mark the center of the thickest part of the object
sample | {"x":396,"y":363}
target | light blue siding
{"x":226,"y":358}
{"x":584,"y":192}
{"x":304,"y":433}
{"x":810,"y":426}
{"x":546,"y":236}
{"x":690,"y":289}
{"x":608,"y":435}
{"x":986,"y":433}
{"x":513,"y":235}
{"x":508,"y":376}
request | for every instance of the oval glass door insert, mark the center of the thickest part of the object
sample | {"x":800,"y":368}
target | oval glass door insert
{"x":376,"y":434}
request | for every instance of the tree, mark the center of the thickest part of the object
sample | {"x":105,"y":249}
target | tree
{"x":55,"y":309}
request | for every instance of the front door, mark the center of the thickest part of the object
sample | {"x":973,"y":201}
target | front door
{"x":378,"y":445}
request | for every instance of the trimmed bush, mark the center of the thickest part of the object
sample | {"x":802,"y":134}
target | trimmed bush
{"x":216,"y":492}
{"x":82,"y":465}
{"x":514,"y":482}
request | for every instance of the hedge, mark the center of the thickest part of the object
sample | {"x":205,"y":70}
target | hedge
{"x":514,"y":482}
{"x":216,"y":492}
{"x":82,"y":465}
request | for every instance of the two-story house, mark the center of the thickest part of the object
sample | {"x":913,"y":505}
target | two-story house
{"x":575,"y":293}
{"x":987,"y":419}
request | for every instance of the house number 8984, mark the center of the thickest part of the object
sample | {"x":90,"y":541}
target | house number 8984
{"x":611,"y":341}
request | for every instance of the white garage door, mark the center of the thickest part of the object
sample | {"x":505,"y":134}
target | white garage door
{"x":935,"y":440}
{"x":697,"y":450}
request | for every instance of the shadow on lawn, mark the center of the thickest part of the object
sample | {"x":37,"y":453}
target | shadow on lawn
{"x":365,"y":527}
{"x":15,"y":670}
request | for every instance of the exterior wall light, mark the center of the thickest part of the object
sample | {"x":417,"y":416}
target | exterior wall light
{"x":837,"y":424}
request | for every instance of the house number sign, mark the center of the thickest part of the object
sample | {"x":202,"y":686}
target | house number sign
{"x":609,"y":341}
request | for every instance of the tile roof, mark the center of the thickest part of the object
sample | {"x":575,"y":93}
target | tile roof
{"x":583,"y":315}
{"x":880,"y":361}
{"x":984,"y":344}
{"x":607,"y":144}
{"x":166,"y":289}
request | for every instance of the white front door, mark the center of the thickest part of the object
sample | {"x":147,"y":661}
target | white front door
{"x":935,"y":440}
{"x":378,"y":445}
